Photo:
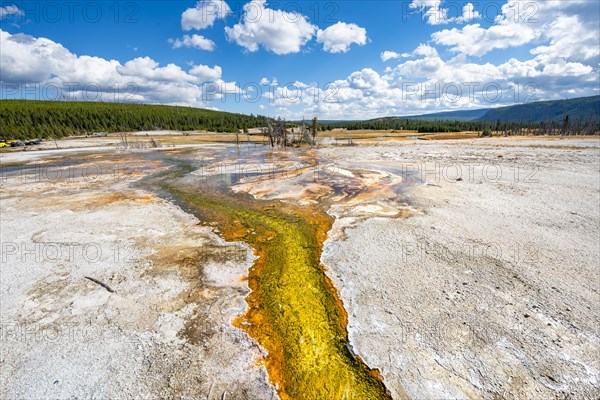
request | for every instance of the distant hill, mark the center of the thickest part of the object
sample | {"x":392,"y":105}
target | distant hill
{"x":461,"y":115}
{"x":25,"y":119}
{"x":579,"y":108}
{"x":582,"y":108}
{"x":555,"y":110}
{"x":584,"y":118}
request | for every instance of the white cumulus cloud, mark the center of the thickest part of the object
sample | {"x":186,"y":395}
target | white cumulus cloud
{"x":468,"y":14}
{"x":277,"y":31}
{"x":437,"y":12}
{"x":204,"y":14}
{"x":267,"y":82}
{"x":570,"y":26}
{"x":389,"y":55}
{"x":338,"y":38}
{"x":10,"y":10}
{"x":570,"y":38}
{"x":205,"y":73}
{"x":474,"y":40}
{"x":392,"y":55}
{"x":196,"y":41}
{"x":28,"y":60}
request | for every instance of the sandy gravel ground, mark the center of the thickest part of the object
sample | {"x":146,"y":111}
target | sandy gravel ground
{"x":165,"y":331}
{"x":490,"y":289}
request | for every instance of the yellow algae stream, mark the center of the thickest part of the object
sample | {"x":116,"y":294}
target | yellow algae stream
{"x":293,"y":310}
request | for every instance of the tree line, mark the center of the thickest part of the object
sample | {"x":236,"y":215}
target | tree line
{"x":569,"y":126}
{"x":395,"y":123}
{"x":26,"y":119}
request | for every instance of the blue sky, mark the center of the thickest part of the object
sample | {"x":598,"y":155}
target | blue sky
{"x":334,"y":59}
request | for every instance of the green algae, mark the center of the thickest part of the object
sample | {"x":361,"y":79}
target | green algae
{"x":293,"y":310}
